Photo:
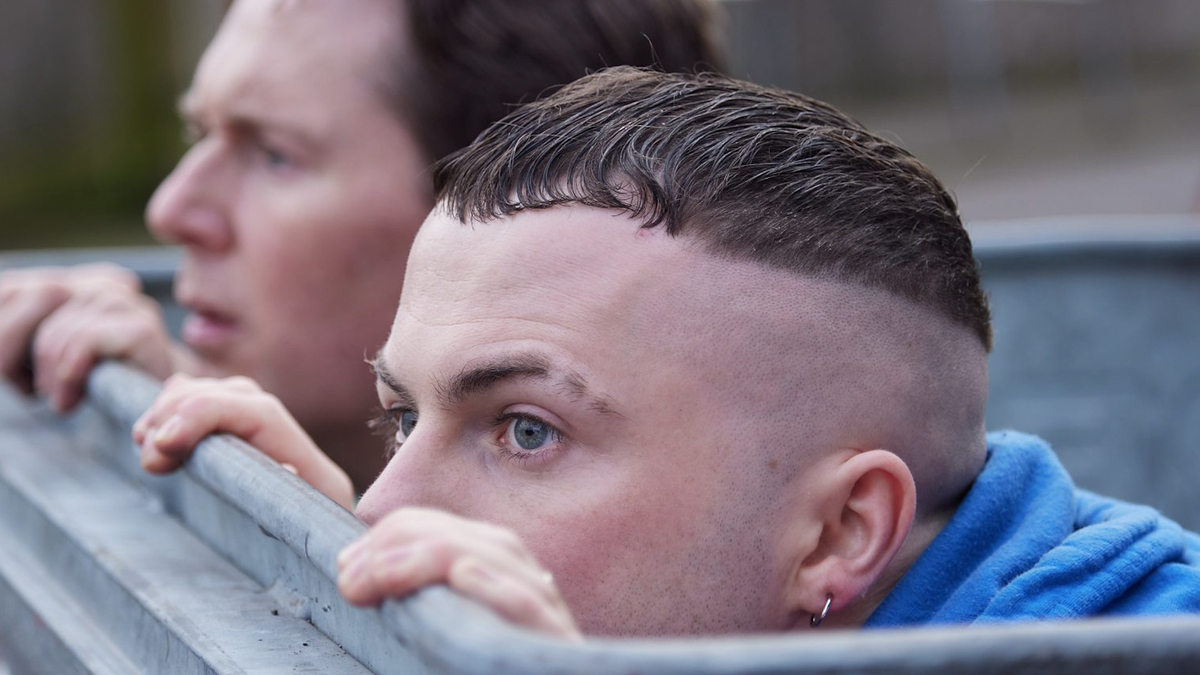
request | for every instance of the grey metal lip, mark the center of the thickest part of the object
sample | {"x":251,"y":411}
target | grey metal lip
{"x":157,"y":260}
{"x":1085,"y":235}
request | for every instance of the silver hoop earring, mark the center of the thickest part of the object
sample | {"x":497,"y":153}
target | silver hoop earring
{"x":816,"y":620}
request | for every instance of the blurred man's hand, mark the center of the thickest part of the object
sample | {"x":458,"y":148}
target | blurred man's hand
{"x":56,"y":323}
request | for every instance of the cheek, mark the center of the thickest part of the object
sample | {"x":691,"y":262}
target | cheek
{"x":615,"y":548}
{"x":320,"y":287}
{"x":329,"y":265}
{"x":668,"y":550}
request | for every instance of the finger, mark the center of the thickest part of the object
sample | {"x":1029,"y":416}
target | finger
{"x":53,"y":338}
{"x":81,"y":344}
{"x":209,"y":410}
{"x":70,"y":375}
{"x":412,"y":523}
{"x":258,"y":418}
{"x":162,"y":408}
{"x":197,"y":408}
{"x":392,"y":572}
{"x":513,"y":599}
{"x":156,"y":461}
{"x":20,"y":316}
{"x":179,"y":388}
{"x":396,"y":564}
{"x":93,"y":274}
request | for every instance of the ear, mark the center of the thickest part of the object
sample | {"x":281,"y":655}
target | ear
{"x":866,"y":504}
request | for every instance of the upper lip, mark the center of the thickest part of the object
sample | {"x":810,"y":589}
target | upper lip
{"x":189,"y":298}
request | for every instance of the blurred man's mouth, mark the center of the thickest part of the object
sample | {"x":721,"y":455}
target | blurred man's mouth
{"x":205,"y":330}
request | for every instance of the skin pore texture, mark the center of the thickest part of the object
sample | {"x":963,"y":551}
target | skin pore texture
{"x":734,"y":442}
{"x":294,"y":206}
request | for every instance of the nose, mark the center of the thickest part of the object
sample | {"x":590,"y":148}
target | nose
{"x":191,"y":206}
{"x":414,"y":477}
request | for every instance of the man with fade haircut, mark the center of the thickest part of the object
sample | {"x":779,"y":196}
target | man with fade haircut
{"x":685,"y":356}
{"x":313,"y":124}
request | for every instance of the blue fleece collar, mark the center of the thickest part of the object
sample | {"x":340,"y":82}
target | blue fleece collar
{"x":1025,"y":544}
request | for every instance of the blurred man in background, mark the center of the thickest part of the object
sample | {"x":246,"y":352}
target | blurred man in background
{"x":313,"y":123}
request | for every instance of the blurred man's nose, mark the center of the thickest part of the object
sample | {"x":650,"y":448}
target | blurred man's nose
{"x":191,"y":206}
{"x":415,"y":476}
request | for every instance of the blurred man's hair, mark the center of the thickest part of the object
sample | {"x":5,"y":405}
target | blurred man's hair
{"x":470,"y":62}
{"x":466,"y":63}
{"x":755,"y":173}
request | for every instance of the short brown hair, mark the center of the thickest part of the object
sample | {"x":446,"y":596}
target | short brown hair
{"x":470,"y":62}
{"x":755,"y":173}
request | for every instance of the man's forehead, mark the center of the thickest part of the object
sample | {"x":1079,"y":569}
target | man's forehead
{"x":573,"y":255}
{"x":560,"y":256}
{"x":268,"y":47}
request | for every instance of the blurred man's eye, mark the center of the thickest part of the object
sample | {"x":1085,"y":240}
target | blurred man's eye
{"x":274,"y":158}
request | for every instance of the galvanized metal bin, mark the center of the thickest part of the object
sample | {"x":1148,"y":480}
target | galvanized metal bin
{"x":227,"y":567}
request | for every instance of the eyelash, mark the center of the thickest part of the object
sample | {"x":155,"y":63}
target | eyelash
{"x":387,"y":423}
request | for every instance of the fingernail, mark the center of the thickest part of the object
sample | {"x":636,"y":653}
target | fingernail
{"x":168,"y":431}
{"x":147,"y":453}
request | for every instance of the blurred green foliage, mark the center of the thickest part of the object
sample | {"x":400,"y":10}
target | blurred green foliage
{"x":55,"y":191}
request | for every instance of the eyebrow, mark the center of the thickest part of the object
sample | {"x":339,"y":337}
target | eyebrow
{"x":254,"y":123}
{"x":380,"y":368}
{"x":481,"y":377}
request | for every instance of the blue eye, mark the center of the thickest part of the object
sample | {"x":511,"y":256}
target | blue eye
{"x":408,"y":422}
{"x":529,"y":433}
{"x":274,"y":158}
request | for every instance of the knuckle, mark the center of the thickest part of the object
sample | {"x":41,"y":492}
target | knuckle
{"x":175,"y":380}
{"x":436,"y":547}
{"x":194,"y":405}
{"x":109,"y":270}
{"x":242,"y":382}
{"x":406,"y":516}
{"x":272,"y":402}
{"x":140,"y":332}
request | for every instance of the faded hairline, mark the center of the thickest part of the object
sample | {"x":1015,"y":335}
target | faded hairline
{"x":754,"y":173}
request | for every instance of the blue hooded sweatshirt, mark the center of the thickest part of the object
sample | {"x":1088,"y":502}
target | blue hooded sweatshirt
{"x":1026,"y":545}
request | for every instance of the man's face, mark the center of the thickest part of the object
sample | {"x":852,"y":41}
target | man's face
{"x":625,"y":401}
{"x":297,"y":203}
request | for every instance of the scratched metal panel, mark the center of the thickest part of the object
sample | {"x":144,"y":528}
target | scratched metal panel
{"x":98,"y":578}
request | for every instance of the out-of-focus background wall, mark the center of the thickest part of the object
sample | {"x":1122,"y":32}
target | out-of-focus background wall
{"x":87,"y":123}
{"x":1023,"y":107}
